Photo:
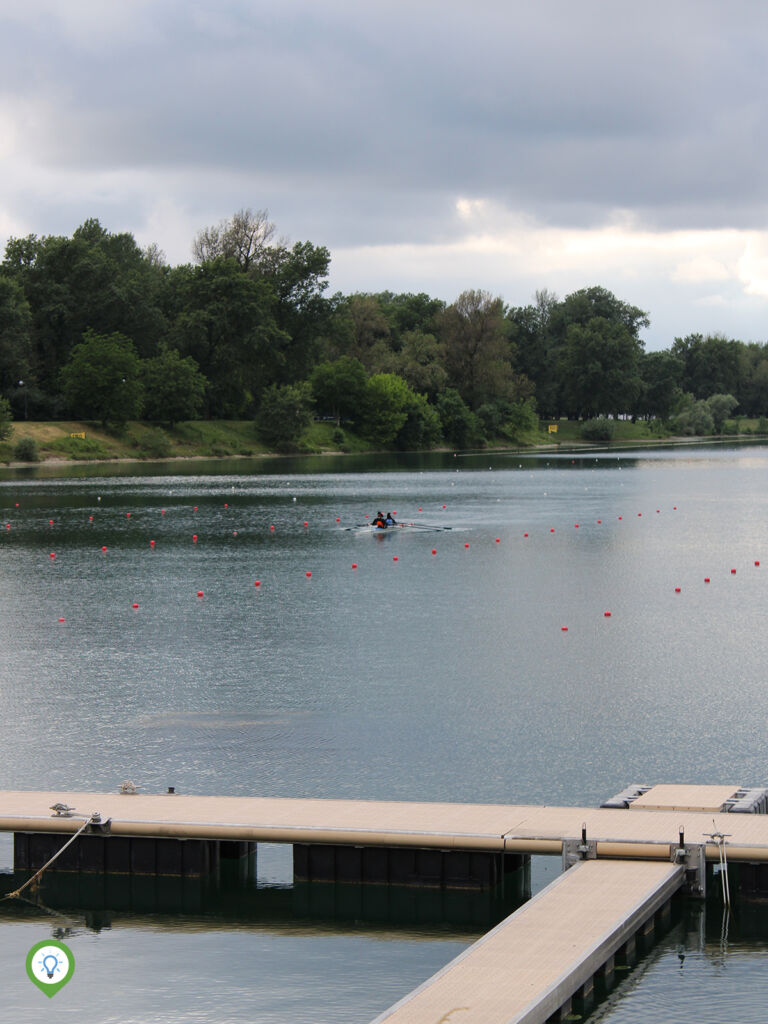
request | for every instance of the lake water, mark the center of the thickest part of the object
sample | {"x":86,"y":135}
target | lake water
{"x":416,"y":675}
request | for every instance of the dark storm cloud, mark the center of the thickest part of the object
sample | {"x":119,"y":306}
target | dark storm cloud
{"x":564,"y":111}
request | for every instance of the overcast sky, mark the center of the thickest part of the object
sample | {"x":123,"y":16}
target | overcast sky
{"x":430,"y":146}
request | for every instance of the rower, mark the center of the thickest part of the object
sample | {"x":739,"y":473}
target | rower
{"x":390,"y":520}
{"x":380,"y":523}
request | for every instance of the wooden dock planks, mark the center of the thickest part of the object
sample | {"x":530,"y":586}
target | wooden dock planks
{"x":490,"y":827}
{"x":528,"y":966}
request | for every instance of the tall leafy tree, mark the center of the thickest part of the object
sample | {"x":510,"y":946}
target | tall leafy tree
{"x":102,"y":379}
{"x":478,"y":353}
{"x":174,"y":388}
{"x":285,"y":411}
{"x":339,"y":387}
{"x":227,"y":326}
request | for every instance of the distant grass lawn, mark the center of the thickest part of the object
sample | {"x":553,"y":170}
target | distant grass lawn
{"x":228,"y":438}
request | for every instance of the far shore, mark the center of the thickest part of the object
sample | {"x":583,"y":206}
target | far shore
{"x":572,"y":445}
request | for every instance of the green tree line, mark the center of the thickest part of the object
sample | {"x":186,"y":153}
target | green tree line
{"x":94,"y":327}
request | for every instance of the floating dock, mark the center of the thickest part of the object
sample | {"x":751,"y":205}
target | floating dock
{"x":622,"y":864}
{"x":529,"y":967}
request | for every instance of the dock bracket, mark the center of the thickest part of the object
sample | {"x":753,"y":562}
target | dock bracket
{"x":576,"y":850}
{"x":693,"y":858}
{"x":97,"y":827}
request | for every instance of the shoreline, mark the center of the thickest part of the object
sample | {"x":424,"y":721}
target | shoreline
{"x":532,"y":449}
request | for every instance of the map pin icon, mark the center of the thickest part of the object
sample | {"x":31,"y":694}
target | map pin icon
{"x":50,"y":965}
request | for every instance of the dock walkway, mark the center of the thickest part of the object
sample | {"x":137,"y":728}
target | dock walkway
{"x":495,"y":828}
{"x":531,"y":964}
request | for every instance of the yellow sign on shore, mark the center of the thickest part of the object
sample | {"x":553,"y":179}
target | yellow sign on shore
{"x":552,"y":428}
{"x":81,"y":434}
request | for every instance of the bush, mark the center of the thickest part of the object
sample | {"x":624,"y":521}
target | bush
{"x":762,"y":426}
{"x":337,"y":437}
{"x":26,"y":450}
{"x":599,"y":429}
{"x":155,"y":444}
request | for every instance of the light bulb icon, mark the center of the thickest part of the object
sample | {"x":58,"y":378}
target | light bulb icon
{"x":50,"y":964}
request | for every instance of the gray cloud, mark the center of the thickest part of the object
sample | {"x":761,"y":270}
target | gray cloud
{"x":363,"y":124}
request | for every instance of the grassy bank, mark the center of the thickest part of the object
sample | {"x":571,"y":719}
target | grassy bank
{"x":70,"y":440}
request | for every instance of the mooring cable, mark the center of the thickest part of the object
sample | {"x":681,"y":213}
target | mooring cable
{"x":17,"y":892}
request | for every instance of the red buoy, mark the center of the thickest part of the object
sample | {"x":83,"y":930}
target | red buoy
{"x":444,"y":506}
{"x":134,"y":605}
{"x":551,"y":529}
{"x":90,"y":519}
{"x":162,"y":511}
{"x":127,"y":515}
{"x":308,"y":574}
{"x":607,"y":615}
{"x":757,"y":563}
{"x":621,"y":517}
{"x":226,"y":505}
{"x":466,"y":545}
{"x":199,"y":593}
{"x":151,"y":543}
{"x":706,"y":579}
{"x":525,"y":534}
{"x":62,"y":619}
{"x":564,"y":629}
{"x":271,"y":527}
{"x":394,"y":558}
{"x":195,"y":509}
{"x":498,"y":540}
{"x":306,"y":523}
{"x":434,"y":551}
{"x":50,"y":522}
{"x":104,"y":547}
{"x":53,"y":554}
{"x":599,"y":522}
{"x":733,"y":572}
{"x":677,"y":590}
{"x":354,"y":565}
{"x":575,"y":526}
{"x":338,"y":519}
{"x":257,"y":583}
{"x":420,"y":510}
{"x":194,"y":538}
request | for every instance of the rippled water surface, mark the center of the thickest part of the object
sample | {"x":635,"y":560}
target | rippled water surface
{"x":416,"y":675}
